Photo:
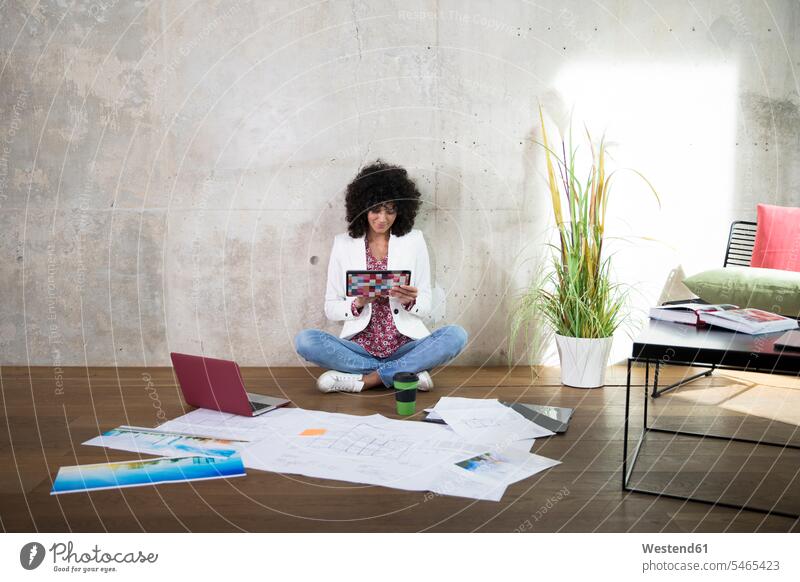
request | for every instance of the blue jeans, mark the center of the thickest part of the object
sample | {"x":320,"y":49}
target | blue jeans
{"x":328,"y":351}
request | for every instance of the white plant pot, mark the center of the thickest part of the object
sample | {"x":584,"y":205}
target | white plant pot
{"x":583,"y":360}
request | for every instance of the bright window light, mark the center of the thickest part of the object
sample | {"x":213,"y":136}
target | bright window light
{"x":676,"y":125}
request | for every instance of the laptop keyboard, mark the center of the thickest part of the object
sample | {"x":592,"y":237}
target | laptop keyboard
{"x":258,"y":405}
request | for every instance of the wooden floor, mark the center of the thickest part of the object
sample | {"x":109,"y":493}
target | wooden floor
{"x":46,"y":414}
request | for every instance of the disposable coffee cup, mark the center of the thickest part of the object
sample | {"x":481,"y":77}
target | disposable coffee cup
{"x":405,"y":392}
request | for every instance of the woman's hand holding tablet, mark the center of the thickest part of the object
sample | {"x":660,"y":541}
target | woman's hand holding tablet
{"x":375,"y":283}
{"x":367,"y":286}
{"x":361,"y":301}
{"x":405,"y":294}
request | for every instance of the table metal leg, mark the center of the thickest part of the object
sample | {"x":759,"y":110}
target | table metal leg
{"x":628,"y":468}
{"x":655,"y":378}
{"x":646,"y":384}
{"x":657,"y":392}
{"x":625,"y":431}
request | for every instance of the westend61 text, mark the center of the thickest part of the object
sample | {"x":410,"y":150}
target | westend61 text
{"x":670,"y":549}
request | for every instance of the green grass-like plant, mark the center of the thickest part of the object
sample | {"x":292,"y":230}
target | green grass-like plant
{"x":575,"y":296}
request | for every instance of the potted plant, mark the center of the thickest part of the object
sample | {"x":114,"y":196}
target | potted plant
{"x":575,"y":296}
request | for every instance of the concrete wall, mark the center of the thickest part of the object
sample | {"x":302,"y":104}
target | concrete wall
{"x":172,"y":173}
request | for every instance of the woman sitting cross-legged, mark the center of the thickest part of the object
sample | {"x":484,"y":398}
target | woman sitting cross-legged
{"x":381,"y":335}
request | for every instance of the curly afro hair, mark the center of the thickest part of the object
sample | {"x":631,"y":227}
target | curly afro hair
{"x":377,"y":184}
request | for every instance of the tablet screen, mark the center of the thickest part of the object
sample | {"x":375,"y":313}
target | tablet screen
{"x":375,"y":283}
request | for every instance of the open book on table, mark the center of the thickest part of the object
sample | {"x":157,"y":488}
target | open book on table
{"x":687,"y":312}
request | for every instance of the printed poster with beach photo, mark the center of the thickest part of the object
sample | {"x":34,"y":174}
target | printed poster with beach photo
{"x":145,"y":472}
{"x":163,"y":443}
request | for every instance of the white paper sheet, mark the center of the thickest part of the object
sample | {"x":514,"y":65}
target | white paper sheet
{"x":487,"y":421}
{"x":223,"y":425}
{"x":380,"y":451}
{"x":372,"y":450}
{"x":500,"y":468}
{"x":459,"y":402}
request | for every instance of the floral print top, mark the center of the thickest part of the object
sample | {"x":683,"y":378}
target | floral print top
{"x":380,"y":338}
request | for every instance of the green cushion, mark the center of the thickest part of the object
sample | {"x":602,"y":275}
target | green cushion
{"x":768,"y":289}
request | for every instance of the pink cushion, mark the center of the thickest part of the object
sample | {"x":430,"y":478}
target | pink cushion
{"x":777,"y":243}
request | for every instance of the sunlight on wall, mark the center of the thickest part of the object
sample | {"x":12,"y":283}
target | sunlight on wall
{"x":676,"y":125}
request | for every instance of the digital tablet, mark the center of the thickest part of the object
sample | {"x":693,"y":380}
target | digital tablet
{"x":375,"y":283}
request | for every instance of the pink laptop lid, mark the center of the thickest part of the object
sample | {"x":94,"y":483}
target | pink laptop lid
{"x":211,"y":383}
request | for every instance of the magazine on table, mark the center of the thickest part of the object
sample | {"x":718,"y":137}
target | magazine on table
{"x":688,"y":313}
{"x":749,"y":320}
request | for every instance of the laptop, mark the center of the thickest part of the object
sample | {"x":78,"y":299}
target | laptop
{"x":217,"y":385}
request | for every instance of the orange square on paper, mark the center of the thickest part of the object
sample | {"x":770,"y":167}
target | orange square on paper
{"x":313,"y":432}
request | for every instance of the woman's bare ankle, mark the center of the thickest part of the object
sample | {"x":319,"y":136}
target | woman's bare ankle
{"x":371,"y":380}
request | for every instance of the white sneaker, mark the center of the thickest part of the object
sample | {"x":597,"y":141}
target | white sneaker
{"x":333,"y":381}
{"x":425,"y":382}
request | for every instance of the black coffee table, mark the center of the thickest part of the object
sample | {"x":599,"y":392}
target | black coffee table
{"x":663,"y":343}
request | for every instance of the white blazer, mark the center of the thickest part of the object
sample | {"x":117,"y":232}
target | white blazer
{"x":407,"y":252}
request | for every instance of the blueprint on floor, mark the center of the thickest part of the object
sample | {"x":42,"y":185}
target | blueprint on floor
{"x":372,"y":450}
